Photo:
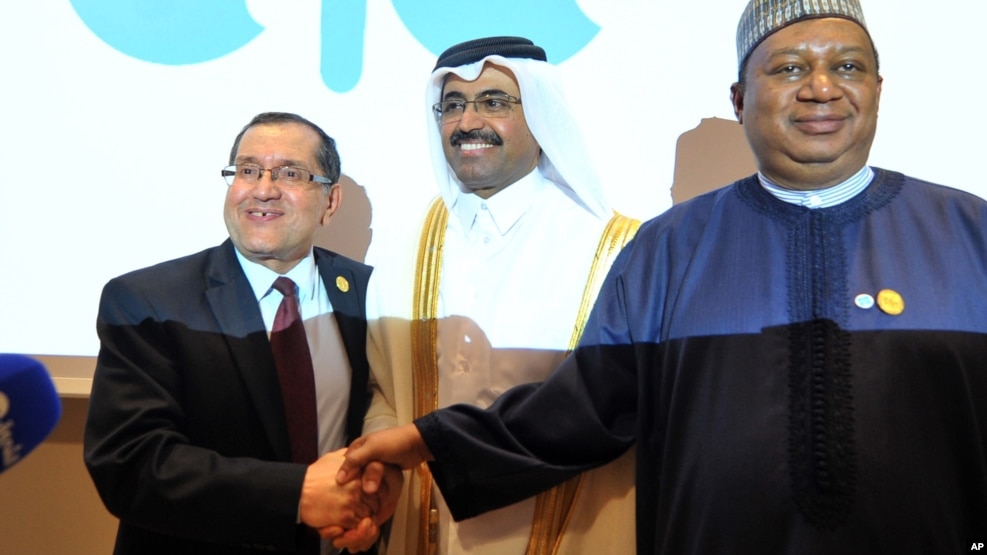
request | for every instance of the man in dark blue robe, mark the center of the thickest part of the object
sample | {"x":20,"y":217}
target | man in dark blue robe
{"x":800,"y":357}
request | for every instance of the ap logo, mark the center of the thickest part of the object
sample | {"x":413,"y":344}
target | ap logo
{"x":179,"y":32}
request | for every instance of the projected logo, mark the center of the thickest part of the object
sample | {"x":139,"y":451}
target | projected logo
{"x":179,"y":32}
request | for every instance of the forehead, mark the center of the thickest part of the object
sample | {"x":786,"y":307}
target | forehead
{"x":820,"y":35}
{"x":289,"y":141}
{"x":492,"y":78}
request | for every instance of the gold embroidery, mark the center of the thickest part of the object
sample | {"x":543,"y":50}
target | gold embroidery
{"x":424,"y":333}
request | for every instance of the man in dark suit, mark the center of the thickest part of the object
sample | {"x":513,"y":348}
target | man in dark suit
{"x":190,"y":437}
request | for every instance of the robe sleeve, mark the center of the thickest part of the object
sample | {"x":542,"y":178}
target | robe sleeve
{"x":536,"y":436}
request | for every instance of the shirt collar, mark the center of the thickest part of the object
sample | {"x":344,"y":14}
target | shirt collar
{"x":261,"y":278}
{"x":821,"y":198}
{"x":506,"y":207}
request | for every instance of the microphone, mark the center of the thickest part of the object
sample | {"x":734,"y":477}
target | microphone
{"x":29,"y":407}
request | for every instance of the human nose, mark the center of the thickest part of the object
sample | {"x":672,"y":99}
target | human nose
{"x":471,"y":118}
{"x":266,"y":185}
{"x":820,"y":87}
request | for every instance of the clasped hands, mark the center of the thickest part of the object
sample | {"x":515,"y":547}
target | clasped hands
{"x":344,"y":512}
{"x":347,"y":498}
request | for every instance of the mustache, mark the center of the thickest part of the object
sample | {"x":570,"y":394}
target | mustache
{"x":480,"y":135}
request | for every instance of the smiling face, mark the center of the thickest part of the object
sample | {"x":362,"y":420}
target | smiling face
{"x":488,"y":153}
{"x":809,"y":102}
{"x":268,"y":224}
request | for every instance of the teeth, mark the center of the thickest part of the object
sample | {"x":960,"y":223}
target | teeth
{"x":474,"y":146}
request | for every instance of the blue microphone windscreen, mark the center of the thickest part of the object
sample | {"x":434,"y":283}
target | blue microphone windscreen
{"x":29,"y":407}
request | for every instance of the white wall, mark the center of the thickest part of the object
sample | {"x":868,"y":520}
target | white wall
{"x":111,"y":162}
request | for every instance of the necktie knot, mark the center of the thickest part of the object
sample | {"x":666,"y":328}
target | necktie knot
{"x":285,"y":286}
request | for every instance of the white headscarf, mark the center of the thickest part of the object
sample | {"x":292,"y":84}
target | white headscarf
{"x":564,"y":160}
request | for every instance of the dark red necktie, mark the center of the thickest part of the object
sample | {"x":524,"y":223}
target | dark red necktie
{"x":294,"y":364}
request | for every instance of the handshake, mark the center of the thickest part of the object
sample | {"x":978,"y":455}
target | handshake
{"x":348,"y":494}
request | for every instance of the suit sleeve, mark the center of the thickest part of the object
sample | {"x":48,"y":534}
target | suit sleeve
{"x":157,"y":446}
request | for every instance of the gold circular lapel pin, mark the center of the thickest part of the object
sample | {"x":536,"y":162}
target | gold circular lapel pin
{"x":890,"y":301}
{"x":342,"y":284}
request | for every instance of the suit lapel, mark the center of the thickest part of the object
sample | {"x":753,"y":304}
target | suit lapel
{"x":239,"y":320}
{"x":340,"y":283}
{"x":347,"y":300}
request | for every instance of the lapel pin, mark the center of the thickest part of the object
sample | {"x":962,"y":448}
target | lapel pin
{"x":890,"y":301}
{"x":342,"y":284}
{"x":863,"y":301}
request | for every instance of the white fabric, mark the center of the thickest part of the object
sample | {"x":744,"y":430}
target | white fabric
{"x":528,"y":230}
{"x":329,"y":361}
{"x":508,"y":305}
{"x":510,"y":291}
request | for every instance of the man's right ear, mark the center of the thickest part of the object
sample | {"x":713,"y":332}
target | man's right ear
{"x":737,"y":99}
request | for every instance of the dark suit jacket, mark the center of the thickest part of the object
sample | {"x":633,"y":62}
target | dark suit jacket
{"x":186,"y":438}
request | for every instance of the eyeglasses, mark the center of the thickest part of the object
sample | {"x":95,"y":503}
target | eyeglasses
{"x":287,"y":176}
{"x":488,"y":105}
